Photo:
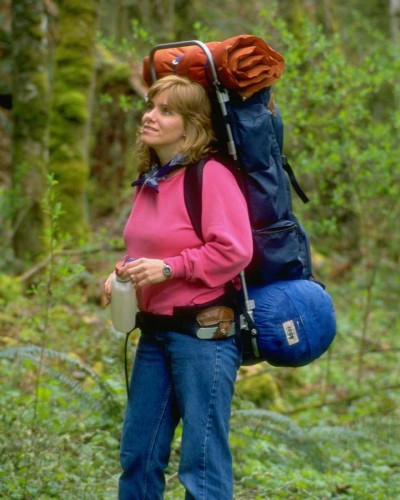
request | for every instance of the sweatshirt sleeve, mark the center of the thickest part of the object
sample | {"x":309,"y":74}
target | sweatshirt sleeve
{"x":226,"y":230}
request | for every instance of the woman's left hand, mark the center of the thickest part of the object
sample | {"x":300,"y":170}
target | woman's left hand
{"x":144,"y":271}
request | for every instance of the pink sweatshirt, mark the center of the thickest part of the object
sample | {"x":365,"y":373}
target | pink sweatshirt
{"x":159,"y":227}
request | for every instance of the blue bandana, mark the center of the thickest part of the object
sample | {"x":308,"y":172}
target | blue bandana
{"x":157,"y":173}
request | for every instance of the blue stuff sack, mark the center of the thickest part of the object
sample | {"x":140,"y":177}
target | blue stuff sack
{"x":295,"y":321}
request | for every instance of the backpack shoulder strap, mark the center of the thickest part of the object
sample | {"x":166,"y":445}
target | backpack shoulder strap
{"x":193,"y":185}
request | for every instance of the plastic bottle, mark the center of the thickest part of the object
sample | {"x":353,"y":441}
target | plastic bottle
{"x":123,"y":303}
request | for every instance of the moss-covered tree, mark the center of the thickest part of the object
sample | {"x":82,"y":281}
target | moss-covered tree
{"x":30,"y":93}
{"x":5,"y":91}
{"x":70,"y":119}
{"x":114,"y":125}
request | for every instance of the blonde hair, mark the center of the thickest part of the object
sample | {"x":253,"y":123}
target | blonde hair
{"x":190,"y":100}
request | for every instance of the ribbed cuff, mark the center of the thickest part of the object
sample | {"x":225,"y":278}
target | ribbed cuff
{"x":176,"y":264}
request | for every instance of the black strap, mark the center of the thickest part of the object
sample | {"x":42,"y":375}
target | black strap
{"x":193,"y":187}
{"x":126,"y":362}
{"x":296,"y":186}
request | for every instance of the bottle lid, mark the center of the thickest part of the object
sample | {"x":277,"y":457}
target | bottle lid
{"x":121,"y":280}
{"x":118,"y":266}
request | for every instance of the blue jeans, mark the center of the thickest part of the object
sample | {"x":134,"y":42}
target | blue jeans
{"x":175,"y":377}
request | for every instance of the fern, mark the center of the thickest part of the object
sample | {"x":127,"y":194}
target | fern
{"x":307,"y":443}
{"x":46,"y":356}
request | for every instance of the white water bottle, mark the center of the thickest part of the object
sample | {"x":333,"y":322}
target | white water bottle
{"x":123,"y":304}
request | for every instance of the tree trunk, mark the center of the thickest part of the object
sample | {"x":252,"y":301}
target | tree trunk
{"x":74,"y":64}
{"x":30,"y":110}
{"x":395,"y":20}
{"x":114,"y":137}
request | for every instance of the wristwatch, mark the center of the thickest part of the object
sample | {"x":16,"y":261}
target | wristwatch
{"x":167,"y":271}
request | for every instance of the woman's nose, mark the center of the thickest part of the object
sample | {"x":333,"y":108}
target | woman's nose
{"x":149,"y":114}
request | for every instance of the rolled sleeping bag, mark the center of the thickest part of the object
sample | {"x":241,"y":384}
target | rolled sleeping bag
{"x":295,"y":321}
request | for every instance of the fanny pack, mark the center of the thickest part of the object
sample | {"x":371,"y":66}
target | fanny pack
{"x":209,"y":323}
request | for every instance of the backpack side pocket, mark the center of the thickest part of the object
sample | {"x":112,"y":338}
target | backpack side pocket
{"x":276,"y":254}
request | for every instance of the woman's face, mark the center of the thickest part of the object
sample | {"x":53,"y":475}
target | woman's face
{"x":163,"y":128}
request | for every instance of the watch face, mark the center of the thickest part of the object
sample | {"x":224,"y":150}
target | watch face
{"x":167,"y":270}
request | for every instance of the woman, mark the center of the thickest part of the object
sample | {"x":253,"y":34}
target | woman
{"x":182,"y":370}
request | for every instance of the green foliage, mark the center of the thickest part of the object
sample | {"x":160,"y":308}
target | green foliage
{"x":262,"y":389}
{"x":58,"y":365}
{"x":72,"y":106}
{"x":70,"y":440}
{"x":135,"y":45}
{"x":52,"y":371}
{"x":65,"y":412}
{"x":341,"y":132}
{"x":117,"y":72}
{"x":10,"y":288}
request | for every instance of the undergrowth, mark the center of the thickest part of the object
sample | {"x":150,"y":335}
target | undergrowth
{"x":335,"y":434}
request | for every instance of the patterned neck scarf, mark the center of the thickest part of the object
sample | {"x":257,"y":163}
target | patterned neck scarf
{"x":157,"y":173}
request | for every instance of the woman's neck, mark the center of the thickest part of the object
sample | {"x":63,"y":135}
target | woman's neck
{"x":165,"y":155}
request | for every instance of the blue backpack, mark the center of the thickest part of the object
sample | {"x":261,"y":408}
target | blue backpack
{"x":281,"y":245}
{"x":289,"y":320}
{"x":286,"y":317}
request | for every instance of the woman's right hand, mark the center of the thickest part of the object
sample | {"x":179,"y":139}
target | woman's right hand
{"x":107,"y":287}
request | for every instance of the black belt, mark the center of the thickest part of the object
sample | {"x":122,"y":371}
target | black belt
{"x":159,"y":323}
{"x":213,"y":320}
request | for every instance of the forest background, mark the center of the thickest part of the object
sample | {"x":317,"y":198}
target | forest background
{"x":71,"y":96}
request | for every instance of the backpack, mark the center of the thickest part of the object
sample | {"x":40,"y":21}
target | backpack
{"x":287,"y":322}
{"x":281,"y":245}
{"x":285,"y":317}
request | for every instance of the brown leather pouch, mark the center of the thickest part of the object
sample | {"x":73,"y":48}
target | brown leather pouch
{"x":217,"y":320}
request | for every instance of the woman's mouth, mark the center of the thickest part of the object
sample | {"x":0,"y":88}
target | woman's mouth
{"x":148,"y":128}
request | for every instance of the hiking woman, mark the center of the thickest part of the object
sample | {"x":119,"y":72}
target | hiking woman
{"x":183,"y":371}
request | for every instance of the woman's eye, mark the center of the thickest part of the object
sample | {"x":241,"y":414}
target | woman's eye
{"x":166,"y":110}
